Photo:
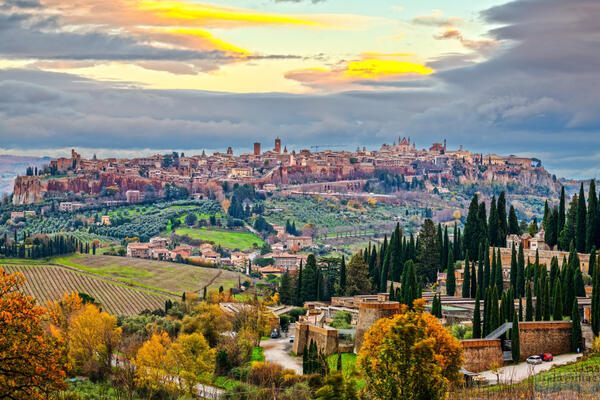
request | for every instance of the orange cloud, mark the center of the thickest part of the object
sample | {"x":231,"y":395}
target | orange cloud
{"x":371,"y":66}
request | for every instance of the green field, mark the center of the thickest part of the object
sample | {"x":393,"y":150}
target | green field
{"x":229,"y":239}
{"x":171,"y":278}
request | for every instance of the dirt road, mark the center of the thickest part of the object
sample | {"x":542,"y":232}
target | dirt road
{"x":278,"y":351}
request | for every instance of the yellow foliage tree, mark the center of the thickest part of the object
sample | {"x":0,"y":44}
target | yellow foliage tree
{"x":152,"y":364}
{"x":93,"y":338}
{"x":191,"y":359}
{"x":30,"y":359}
{"x":209,"y":320}
{"x":410,"y":357}
{"x":62,"y":311}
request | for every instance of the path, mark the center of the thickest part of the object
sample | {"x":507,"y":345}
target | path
{"x":519,"y":372}
{"x":278,"y":351}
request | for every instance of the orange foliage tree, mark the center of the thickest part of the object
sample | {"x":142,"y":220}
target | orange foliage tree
{"x":410,"y":357}
{"x":30,"y":359}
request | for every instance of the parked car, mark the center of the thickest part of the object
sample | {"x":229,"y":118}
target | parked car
{"x":291,"y":339}
{"x":546,"y":357}
{"x":534,"y":360}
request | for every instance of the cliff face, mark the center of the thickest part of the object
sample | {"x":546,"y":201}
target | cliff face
{"x":27,"y":190}
{"x":31,"y":189}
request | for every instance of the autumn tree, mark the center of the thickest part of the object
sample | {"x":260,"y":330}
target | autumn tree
{"x":209,"y":320}
{"x":152,"y":364}
{"x":191,"y":359}
{"x":410,"y":356}
{"x":93,"y":338}
{"x":31,"y":364}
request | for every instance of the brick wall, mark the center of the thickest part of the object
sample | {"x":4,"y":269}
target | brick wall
{"x":368,"y":314}
{"x":480,"y":354}
{"x":545,"y":257}
{"x":544,"y":337}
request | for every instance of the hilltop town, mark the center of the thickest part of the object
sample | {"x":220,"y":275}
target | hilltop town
{"x":434,"y":170}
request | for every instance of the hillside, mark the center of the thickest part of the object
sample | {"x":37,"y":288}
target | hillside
{"x":51,"y":282}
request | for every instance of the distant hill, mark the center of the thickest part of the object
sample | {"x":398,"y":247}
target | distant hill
{"x":11,"y":166}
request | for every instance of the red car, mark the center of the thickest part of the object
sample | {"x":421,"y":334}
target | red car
{"x":546,"y":357}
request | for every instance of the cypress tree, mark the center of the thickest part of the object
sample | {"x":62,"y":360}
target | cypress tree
{"x":342,"y":280}
{"x":493,"y":223}
{"x":483,"y":227}
{"x":547,"y":305}
{"x":529,"y":306}
{"x":299,"y":300}
{"x":495,"y":314}
{"x":561,"y":210}
{"x":450,"y":279}
{"x":580,"y":231}
{"x":455,"y":243}
{"x":596,"y":302}
{"x":472,"y":232}
{"x":558,"y":301}
{"x":499,"y":277}
{"x":502,"y":311}
{"x":592,"y":263}
{"x":520,"y":310}
{"x":503,"y":224}
{"x":513,"y":222}
{"x":592,"y":223}
{"x":473,"y":280}
{"x":492,"y":280}
{"x":576,"y":336}
{"x":466,"y":288}
{"x":476,"y":318}
{"x":515,"y":341}
{"x":539,"y":302}
{"x":445,"y":249}
{"x":554,"y":272}
{"x":385,"y":268}
{"x":393,"y":292}
{"x":513,"y":266}
{"x":486,"y":312}
{"x":480,"y":273}
{"x":486,"y":270}
{"x":520,"y":289}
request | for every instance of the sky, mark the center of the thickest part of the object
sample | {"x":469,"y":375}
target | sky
{"x":133,"y":77}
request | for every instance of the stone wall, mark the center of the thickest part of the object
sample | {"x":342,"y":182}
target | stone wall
{"x":480,"y":354}
{"x":544,"y":337}
{"x":326,"y":338}
{"x":368,"y":314}
{"x":545,"y":257}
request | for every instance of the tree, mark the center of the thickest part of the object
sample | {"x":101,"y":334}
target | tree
{"x":342,"y":279}
{"x":335,"y":388}
{"x":472,"y":232}
{"x":580,"y":233}
{"x":421,"y":358}
{"x":513,"y":222}
{"x":477,"y":318}
{"x":596,"y":302}
{"x":450,"y":278}
{"x":152,"y":364}
{"x":593,"y":219}
{"x":93,"y":338}
{"x":493,"y":222}
{"x":410,"y":289}
{"x":286,"y":289}
{"x":576,"y":335}
{"x":30,"y":360}
{"x":428,"y":252}
{"x":557,"y":313}
{"x":529,"y":305}
{"x":191,"y":359}
{"x":466,"y":286}
{"x":515,"y":341}
{"x":357,"y":280}
{"x":513,"y":267}
{"x":473,"y":280}
{"x":520,"y":288}
{"x":209,"y":320}
{"x":310,"y":279}
{"x":299,"y":283}
{"x":191,"y":219}
{"x":503,"y":223}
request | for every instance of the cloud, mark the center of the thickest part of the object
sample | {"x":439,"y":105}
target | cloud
{"x":368,"y":67}
{"x":483,"y":46}
{"x":537,"y":93}
{"x":436,"y":19}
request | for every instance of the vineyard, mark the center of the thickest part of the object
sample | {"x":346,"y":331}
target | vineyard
{"x":50,"y":282}
{"x":171,"y":278}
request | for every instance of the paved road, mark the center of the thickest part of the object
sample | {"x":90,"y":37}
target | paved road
{"x":278,"y":351}
{"x":522,"y":371}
